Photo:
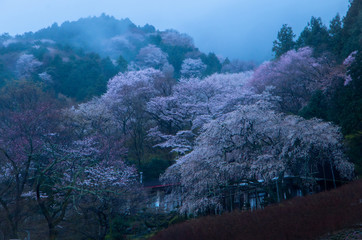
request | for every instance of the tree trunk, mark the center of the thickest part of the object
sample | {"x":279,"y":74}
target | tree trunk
{"x":278,"y":197}
{"x":11,"y":219}
{"x":52,"y":232}
{"x":324,"y":176}
{"x":333,"y":178}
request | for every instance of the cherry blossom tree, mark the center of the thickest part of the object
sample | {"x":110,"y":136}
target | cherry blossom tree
{"x":46,"y":77}
{"x":26,"y":65}
{"x":295,"y":76}
{"x":59,"y":159}
{"x":81,"y":159}
{"x":347,"y":63}
{"x":253,"y":142}
{"x":193,"y":103}
{"x":26,"y":118}
{"x":174,"y":38}
{"x":80,"y":171}
{"x":125,"y":104}
{"x":151,"y":57}
{"x":236,"y":66}
{"x":192,"y":68}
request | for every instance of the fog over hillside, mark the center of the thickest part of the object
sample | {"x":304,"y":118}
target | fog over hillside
{"x":234,"y":28}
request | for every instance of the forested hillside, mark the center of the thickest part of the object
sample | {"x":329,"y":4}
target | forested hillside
{"x":77,"y":58}
{"x":98,"y":114}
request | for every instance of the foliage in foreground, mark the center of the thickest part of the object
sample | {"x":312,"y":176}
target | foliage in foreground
{"x":300,"y":218}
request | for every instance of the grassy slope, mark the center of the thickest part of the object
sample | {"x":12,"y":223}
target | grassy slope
{"x":300,"y":218}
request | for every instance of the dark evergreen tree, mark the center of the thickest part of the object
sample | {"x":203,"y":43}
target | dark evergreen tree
{"x":351,"y":113}
{"x":122,"y":64}
{"x":315,"y":35}
{"x":213,"y":64}
{"x":284,"y":41}
{"x":81,"y":78}
{"x":335,"y":34}
{"x":352,"y":29}
{"x":226,"y":62}
{"x":316,"y":106}
{"x":5,"y":74}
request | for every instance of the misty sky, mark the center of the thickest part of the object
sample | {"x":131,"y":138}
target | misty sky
{"x":242,"y":29}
